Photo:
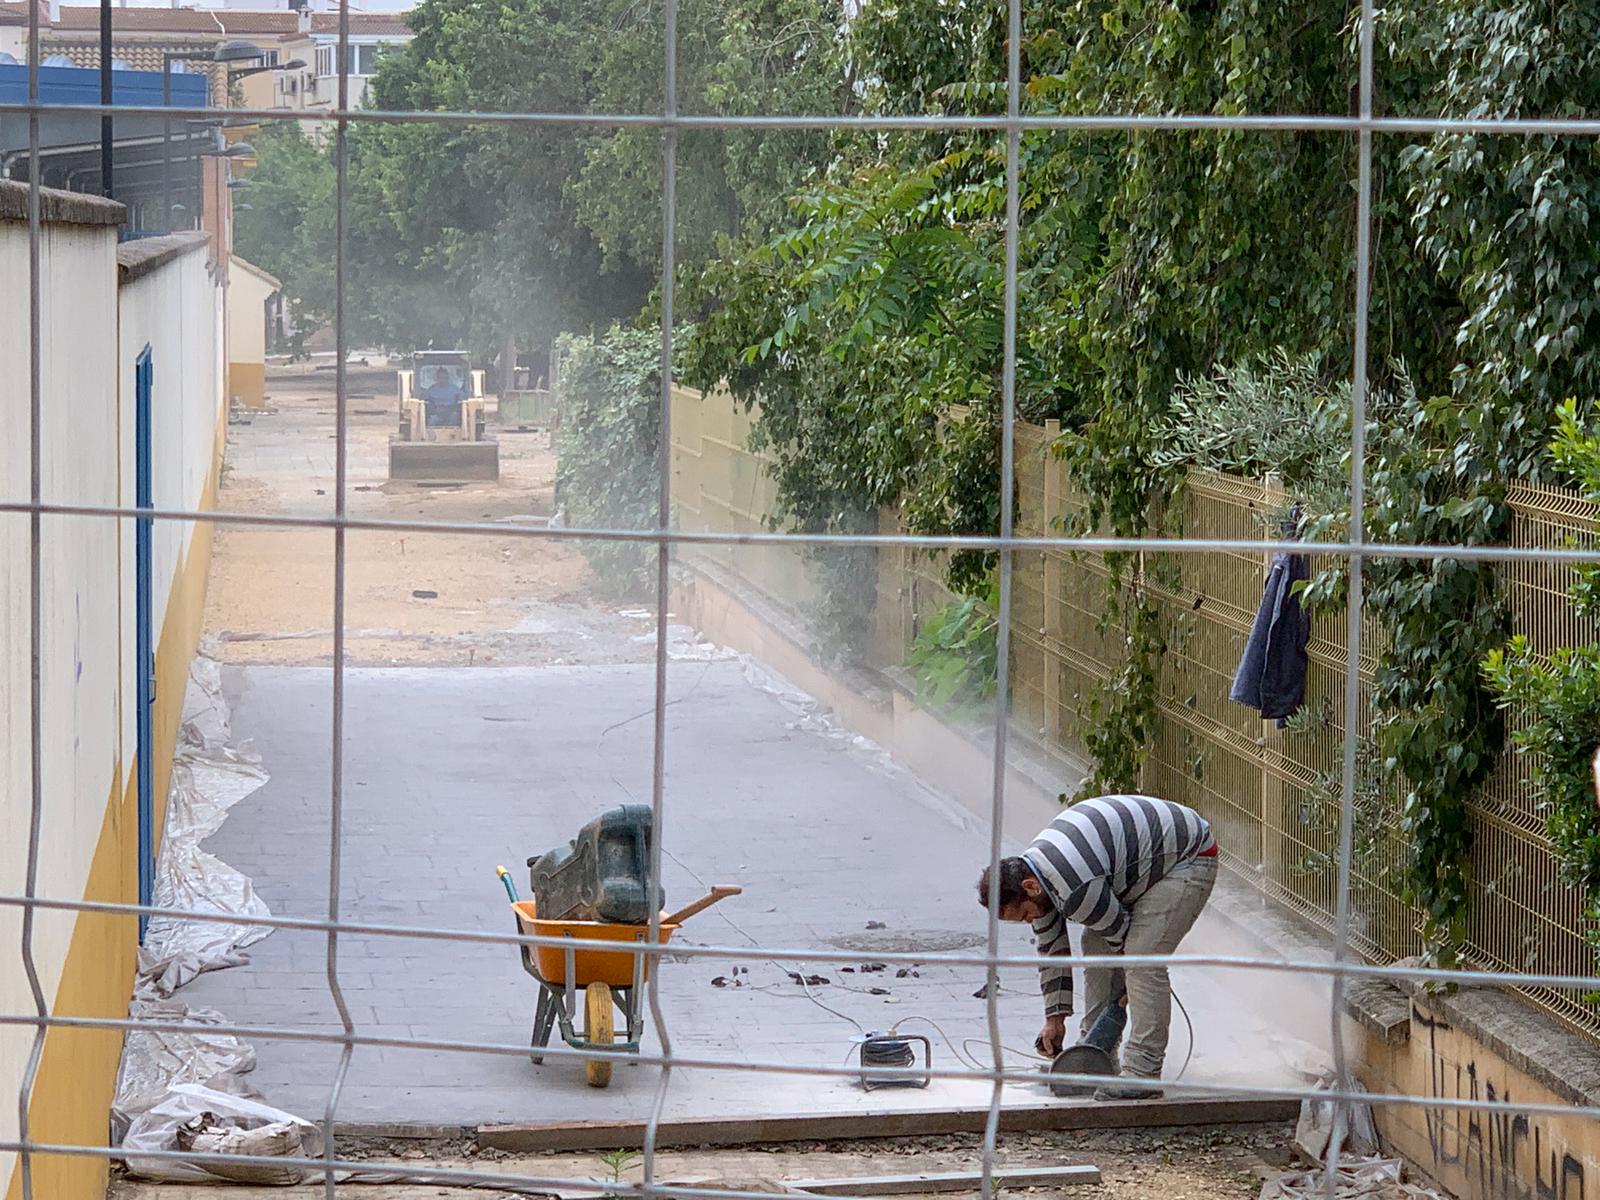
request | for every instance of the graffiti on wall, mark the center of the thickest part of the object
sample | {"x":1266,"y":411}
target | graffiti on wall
{"x":1501,"y":1152}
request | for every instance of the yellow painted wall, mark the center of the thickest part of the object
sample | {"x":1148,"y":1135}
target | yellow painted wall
{"x":248,"y":293}
{"x":247,"y":383}
{"x":77,"y":1073}
{"x":1475,"y":1154}
{"x":81,"y":703}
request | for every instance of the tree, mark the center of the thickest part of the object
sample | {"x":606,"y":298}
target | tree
{"x":496,"y":231}
{"x":867,"y":331}
{"x":288,"y":226}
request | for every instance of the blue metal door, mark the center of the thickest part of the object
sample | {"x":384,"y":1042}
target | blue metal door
{"x":144,"y":644}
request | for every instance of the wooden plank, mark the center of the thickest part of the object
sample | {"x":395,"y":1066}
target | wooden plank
{"x":916,"y":1122}
{"x":949,"y":1181}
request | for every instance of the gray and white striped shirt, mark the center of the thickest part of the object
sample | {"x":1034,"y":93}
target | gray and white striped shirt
{"x":1095,"y":860}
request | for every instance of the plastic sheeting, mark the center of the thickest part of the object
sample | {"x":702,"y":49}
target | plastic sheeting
{"x":1363,"y":1174}
{"x":208,"y":778}
{"x":153,"y":1061}
{"x":194,"y":1117}
{"x":187,"y":1090}
{"x":1314,"y":1130}
{"x":1359,"y":1179}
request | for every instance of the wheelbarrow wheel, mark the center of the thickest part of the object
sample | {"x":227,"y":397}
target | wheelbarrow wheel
{"x":598,"y":1029}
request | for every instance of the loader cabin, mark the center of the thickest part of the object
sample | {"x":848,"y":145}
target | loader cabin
{"x":442,"y":435}
{"x":442,"y":383}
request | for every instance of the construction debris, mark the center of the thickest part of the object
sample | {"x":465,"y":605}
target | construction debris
{"x":932,"y":1183}
{"x":1361,"y":1171}
{"x":1371,"y":1178}
{"x":205,"y":1121}
{"x":1315,"y":1128}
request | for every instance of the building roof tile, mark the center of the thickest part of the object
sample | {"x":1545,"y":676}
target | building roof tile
{"x":202,"y":22}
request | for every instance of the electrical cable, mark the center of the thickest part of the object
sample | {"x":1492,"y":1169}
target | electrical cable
{"x":958,"y":1050}
{"x":1189,"y":1053}
{"x":964,"y":1055}
{"x":800,"y":975}
{"x":642,"y":715}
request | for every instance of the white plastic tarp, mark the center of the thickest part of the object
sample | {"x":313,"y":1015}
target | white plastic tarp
{"x":186,"y":1089}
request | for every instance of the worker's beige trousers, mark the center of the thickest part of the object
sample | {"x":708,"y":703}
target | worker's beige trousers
{"x":1160,"y":918}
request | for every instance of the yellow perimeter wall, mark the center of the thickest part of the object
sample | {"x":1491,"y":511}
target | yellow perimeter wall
{"x":249,"y":289}
{"x":89,"y":825}
{"x":1452,"y":1049}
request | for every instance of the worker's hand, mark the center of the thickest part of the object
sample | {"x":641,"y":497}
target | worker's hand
{"x":1052,"y":1038}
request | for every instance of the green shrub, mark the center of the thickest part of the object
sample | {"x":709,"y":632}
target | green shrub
{"x":1559,"y":697}
{"x":608,"y":470}
{"x":955,"y":654}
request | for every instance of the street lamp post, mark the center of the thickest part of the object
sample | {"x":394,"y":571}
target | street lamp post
{"x":294,"y":64}
{"x":227,"y":52}
{"x":105,"y":98}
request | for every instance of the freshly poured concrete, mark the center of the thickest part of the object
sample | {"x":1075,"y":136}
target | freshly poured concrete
{"x":448,"y":772}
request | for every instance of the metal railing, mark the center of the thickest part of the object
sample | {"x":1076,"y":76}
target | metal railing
{"x":1338,"y":889}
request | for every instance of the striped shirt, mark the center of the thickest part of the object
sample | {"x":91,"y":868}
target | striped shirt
{"x":1095,"y":860}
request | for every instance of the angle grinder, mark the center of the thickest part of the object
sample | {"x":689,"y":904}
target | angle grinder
{"x":1094,"y":1054}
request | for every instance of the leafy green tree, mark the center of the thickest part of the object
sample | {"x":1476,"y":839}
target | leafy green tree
{"x":1558,"y":696}
{"x":286,"y":225}
{"x":747,"y":58}
{"x":493,"y":232}
{"x":1148,"y":261}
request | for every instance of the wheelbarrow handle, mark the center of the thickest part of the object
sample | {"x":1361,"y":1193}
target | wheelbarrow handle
{"x":719,"y":891}
{"x":505,"y":880}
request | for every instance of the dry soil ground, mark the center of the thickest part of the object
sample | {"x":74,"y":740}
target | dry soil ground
{"x":412,"y":599}
{"x":1186,"y":1164}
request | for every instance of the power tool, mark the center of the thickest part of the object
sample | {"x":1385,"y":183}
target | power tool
{"x":1094,"y":1054}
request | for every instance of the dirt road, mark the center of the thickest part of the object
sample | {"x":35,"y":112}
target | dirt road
{"x":413,"y":599}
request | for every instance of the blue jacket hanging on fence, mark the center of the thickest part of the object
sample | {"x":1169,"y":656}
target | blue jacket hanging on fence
{"x":1272,"y":673}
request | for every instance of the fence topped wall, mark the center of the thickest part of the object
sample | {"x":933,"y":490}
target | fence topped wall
{"x":1271,"y":793}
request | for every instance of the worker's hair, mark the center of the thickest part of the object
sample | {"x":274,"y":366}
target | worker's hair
{"x":1012,"y":872}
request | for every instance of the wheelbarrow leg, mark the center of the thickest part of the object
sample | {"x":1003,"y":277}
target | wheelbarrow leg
{"x":544,"y":1018}
{"x":625,"y":998}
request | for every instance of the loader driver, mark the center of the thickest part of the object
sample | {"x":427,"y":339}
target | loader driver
{"x":1135,"y":873}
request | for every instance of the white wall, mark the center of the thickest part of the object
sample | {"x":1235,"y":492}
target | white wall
{"x":175,"y":311}
{"x":248,"y":294}
{"x":88,"y":647}
{"x":81,"y":676}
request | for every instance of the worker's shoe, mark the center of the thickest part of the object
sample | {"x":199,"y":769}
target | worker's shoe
{"x":1134,"y":1088}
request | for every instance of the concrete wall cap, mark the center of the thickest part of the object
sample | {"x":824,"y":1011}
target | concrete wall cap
{"x":139,"y":258}
{"x":57,"y":207}
{"x":1558,"y":1057}
{"x":1381,"y":1008}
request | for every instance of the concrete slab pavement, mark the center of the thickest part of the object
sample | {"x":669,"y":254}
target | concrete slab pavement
{"x":451,"y":771}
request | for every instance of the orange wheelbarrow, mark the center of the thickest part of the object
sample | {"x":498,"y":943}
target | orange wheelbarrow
{"x":611,"y":981}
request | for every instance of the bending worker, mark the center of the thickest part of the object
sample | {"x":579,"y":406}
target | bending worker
{"x":1135,"y":873}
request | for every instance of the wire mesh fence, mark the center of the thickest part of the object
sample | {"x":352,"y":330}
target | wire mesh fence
{"x":1284,"y":824}
{"x":1272,"y":794}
